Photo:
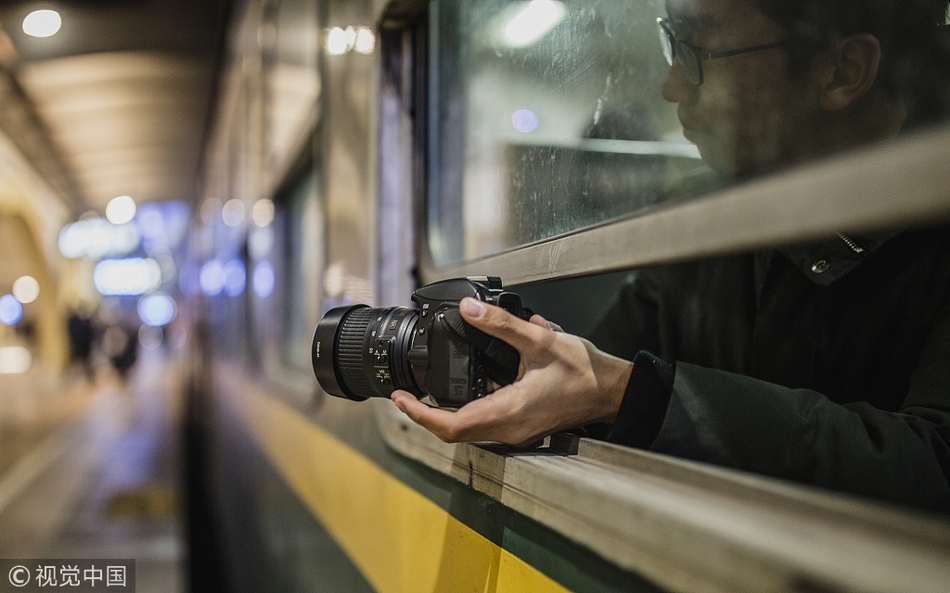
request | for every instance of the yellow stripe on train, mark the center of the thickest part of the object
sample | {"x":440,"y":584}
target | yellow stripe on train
{"x":401,"y":541}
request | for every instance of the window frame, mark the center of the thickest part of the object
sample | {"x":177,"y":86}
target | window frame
{"x":852,"y":191}
{"x":848,"y":192}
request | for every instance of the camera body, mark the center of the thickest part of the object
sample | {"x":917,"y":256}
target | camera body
{"x":360,"y":352}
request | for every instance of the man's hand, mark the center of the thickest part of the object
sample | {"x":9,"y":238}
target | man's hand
{"x":564,"y":382}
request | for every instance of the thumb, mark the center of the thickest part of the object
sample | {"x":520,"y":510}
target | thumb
{"x":501,"y":324}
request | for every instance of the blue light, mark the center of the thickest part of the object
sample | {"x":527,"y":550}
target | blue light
{"x":263,"y":279}
{"x":11,"y":311}
{"x":235,"y":277}
{"x":151,"y":221}
{"x":188,"y":280}
{"x":211,"y":278}
{"x":525,"y":121}
{"x":156,"y":310}
{"x":124,"y":277}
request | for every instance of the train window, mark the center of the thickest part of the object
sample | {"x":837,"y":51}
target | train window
{"x":303,"y":268}
{"x":546,"y":117}
{"x":550,"y":116}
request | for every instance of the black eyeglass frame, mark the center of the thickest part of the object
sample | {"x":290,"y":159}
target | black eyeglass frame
{"x":700,"y":54}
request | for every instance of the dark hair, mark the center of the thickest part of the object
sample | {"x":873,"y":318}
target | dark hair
{"x":915,"y":44}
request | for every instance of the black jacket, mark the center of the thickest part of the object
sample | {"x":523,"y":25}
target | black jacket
{"x":826,"y":363}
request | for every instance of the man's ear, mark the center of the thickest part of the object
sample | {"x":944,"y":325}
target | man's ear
{"x":850,"y":70}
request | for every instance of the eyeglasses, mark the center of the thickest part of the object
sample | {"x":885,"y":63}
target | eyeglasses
{"x":692,"y":58}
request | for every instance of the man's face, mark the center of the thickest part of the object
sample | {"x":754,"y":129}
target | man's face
{"x":748,"y":115}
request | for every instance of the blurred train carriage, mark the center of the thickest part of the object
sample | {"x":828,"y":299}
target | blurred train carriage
{"x":358,"y":149}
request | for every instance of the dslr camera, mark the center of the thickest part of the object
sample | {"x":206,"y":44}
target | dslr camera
{"x":360,"y":352}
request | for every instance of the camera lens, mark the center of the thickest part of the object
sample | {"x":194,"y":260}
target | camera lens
{"x":360,"y":352}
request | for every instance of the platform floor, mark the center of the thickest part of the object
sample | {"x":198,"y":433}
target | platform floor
{"x":91,"y":469}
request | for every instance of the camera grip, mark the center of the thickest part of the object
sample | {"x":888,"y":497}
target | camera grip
{"x":504,"y":358}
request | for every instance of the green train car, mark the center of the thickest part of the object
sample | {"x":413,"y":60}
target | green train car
{"x":382,"y":145}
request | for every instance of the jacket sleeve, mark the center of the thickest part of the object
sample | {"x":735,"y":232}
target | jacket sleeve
{"x":799,"y":434}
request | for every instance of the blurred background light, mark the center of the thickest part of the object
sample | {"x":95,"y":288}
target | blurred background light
{"x":340,"y":41}
{"x":120,"y":210}
{"x":42,"y":23}
{"x":262,"y":214}
{"x":235,"y":277}
{"x":263,"y":280}
{"x":533,"y":21}
{"x":96,"y":238}
{"x":156,"y":310}
{"x":151,"y":221}
{"x":14,"y":360}
{"x":525,"y":121}
{"x":167,"y":265}
{"x":126,"y":277}
{"x":151,"y":338}
{"x":11,"y":311}
{"x":260,"y":241}
{"x":336,"y":42}
{"x":233,"y":212}
{"x":365,"y":41}
{"x":211,"y":278}
{"x":26,"y":289}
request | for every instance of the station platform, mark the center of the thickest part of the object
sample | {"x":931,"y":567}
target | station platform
{"x":90,"y":469}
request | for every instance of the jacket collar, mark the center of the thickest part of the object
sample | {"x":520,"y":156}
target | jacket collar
{"x":826,"y":261}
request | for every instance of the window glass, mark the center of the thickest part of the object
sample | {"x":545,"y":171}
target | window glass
{"x":546,"y":116}
{"x":304,"y":262}
{"x":549,"y":116}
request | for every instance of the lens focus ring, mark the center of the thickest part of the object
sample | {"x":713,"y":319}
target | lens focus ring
{"x":349,"y":355}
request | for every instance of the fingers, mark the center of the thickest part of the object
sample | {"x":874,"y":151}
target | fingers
{"x":479,"y":420}
{"x":439,"y":422}
{"x":538,"y":320}
{"x":502,"y":324}
{"x":448,"y":426}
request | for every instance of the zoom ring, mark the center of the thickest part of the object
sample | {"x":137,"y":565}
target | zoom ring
{"x":350,"y":351}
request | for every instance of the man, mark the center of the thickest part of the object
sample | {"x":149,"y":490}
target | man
{"x":826,"y":363}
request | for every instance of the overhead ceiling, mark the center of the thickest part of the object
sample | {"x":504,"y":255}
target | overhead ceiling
{"x":123,"y":93}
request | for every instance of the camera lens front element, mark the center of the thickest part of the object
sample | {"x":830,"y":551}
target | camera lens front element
{"x":360,"y":352}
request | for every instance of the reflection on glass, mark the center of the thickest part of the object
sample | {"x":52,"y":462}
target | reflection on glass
{"x":525,"y":121}
{"x":547,"y":116}
{"x":532,"y":21}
